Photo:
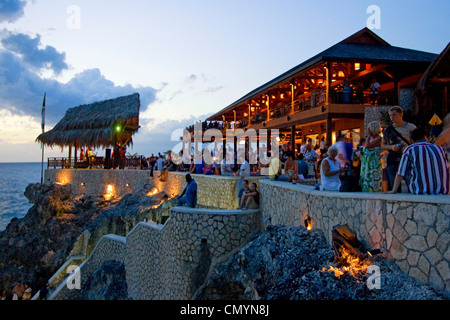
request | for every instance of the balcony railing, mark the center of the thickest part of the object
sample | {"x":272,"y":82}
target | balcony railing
{"x":97,"y":162}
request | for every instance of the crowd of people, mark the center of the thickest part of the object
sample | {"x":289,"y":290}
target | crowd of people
{"x":22,"y":290}
{"x":381,"y":161}
{"x":385,"y":158}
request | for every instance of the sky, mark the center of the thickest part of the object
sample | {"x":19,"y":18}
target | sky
{"x":186,"y":58}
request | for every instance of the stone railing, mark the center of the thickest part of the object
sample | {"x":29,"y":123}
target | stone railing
{"x":213,"y":191}
{"x":413,"y":229}
{"x":170,"y":261}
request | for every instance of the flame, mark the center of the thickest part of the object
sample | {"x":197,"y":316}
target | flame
{"x":350,"y":264}
{"x":153,"y":192}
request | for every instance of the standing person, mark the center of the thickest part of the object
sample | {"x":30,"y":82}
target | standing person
{"x":371,"y":178}
{"x":375,"y":89}
{"x":330,"y":171}
{"x":302,"y":167}
{"x":311,"y":158}
{"x":116,"y":156}
{"x":17,"y":291}
{"x":189,"y":195}
{"x":27,"y":293}
{"x":345,"y":151}
{"x":165,"y":209}
{"x":123,"y":150}
{"x":427,"y":166}
{"x":160,"y":163}
{"x":395,"y":139}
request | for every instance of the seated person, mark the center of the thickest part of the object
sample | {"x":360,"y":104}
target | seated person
{"x":275,"y":167}
{"x":330,"y":171}
{"x":208,"y":169}
{"x":189,"y":195}
{"x":244,"y":188}
{"x":250,"y":199}
{"x":256,"y":170}
{"x":291,"y":167}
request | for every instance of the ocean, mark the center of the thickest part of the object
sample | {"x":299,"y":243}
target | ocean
{"x":15,"y":177}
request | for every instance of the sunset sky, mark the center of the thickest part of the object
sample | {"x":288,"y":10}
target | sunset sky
{"x":186,"y":59}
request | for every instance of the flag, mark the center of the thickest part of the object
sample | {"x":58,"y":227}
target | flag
{"x":43,"y":113}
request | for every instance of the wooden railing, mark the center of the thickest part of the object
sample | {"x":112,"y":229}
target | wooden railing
{"x":97,"y":162}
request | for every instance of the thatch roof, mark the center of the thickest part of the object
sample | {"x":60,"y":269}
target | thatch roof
{"x":95,"y":124}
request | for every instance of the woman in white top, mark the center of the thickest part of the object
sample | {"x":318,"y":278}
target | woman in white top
{"x":329,"y":173}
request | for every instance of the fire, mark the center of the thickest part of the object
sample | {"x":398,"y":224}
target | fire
{"x":350,"y":264}
{"x":153,"y":192}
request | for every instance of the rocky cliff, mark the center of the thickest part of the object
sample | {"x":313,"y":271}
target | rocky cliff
{"x":35,"y":246}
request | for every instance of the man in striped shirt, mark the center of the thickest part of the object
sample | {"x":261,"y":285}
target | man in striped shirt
{"x":427,"y":165}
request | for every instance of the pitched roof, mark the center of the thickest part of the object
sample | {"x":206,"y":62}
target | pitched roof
{"x":439,"y":68}
{"x":94,"y":124}
{"x":363,"y":46}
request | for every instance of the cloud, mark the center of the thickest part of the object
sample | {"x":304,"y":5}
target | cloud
{"x":11,"y":10}
{"x":22,"y":90}
{"x":29,"y":50}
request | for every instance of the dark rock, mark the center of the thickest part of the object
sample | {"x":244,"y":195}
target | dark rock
{"x":107,"y":283}
{"x":288,"y":262}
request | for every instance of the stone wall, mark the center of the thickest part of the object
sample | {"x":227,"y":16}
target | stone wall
{"x":109,"y":248}
{"x":213,"y":191}
{"x":413,"y":229}
{"x":170,"y":261}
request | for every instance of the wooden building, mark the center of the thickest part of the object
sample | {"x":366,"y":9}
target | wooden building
{"x":327,"y":94}
{"x":432,"y":92}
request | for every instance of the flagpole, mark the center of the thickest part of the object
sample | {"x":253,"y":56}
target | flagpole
{"x":43,"y":130}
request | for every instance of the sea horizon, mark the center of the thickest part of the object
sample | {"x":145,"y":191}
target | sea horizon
{"x":16,"y":176}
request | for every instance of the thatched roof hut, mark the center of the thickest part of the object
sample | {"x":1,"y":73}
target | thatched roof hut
{"x":100,"y":124}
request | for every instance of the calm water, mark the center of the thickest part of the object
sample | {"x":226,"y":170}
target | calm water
{"x":15,"y":177}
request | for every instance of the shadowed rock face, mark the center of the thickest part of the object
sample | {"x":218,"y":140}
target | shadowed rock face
{"x":287,"y":263}
{"x":36,"y":245}
{"x":107,"y":283}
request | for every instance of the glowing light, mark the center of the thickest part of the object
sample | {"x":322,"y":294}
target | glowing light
{"x":350,"y":264}
{"x":109,"y":189}
{"x":357,"y":66}
{"x":153,"y":192}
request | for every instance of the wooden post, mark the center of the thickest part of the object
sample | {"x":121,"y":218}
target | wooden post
{"x":329,"y":130}
{"x":293,"y":139}
{"x":292,"y":97}
{"x":70,"y":156}
{"x":249,"y":114}
{"x":328,"y":83}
